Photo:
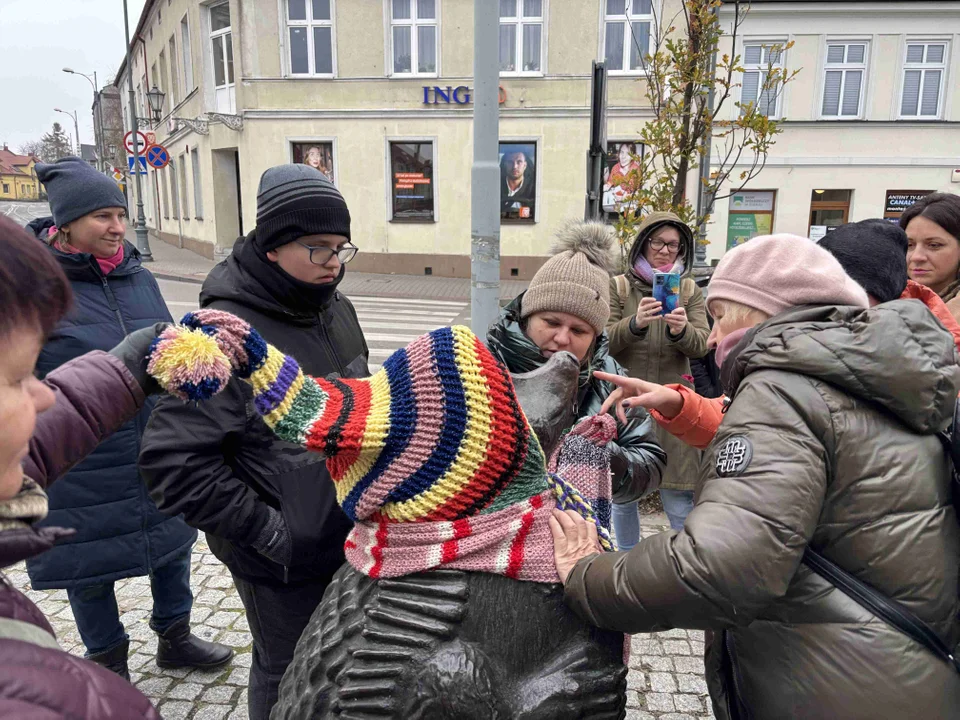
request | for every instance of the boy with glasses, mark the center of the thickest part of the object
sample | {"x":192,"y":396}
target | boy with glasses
{"x":268,"y":508}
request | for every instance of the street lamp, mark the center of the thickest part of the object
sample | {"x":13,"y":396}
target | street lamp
{"x":76,"y":127}
{"x":155,"y":98}
{"x":97,"y":116}
{"x":143,"y":243}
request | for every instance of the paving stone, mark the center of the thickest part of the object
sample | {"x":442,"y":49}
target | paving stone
{"x":205,"y":677}
{"x":646,"y":647}
{"x":138,"y":660}
{"x":693,"y":665}
{"x":236,"y":639}
{"x":211,"y":597}
{"x":243,"y":660}
{"x":634,"y":699}
{"x":661,"y":702}
{"x":697,"y":648}
{"x":688,"y":703}
{"x":175,"y":710}
{"x":240,"y":713}
{"x":239,"y":676}
{"x":677,"y":647}
{"x":675,"y":634}
{"x":662,"y":682}
{"x":677,"y":716}
{"x":221,"y":694}
{"x":638,"y":715}
{"x":206,"y":632}
{"x":692,"y":684}
{"x":695,"y":635}
{"x":220,"y":581}
{"x":241,"y":623}
{"x":221,"y":619}
{"x":154,"y":685}
{"x":185,"y":691}
{"x":213,"y":712}
{"x":232,"y":602}
{"x":636,"y":680}
{"x":200,"y":613}
{"x":660,"y":664}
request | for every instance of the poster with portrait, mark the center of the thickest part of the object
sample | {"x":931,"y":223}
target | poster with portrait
{"x":621,"y":176}
{"x":518,"y":181}
{"x":315,"y":154}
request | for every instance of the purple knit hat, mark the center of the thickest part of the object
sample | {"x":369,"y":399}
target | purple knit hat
{"x":774,"y":273}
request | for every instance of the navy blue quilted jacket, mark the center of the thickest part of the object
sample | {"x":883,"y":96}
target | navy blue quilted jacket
{"x":120,"y":532}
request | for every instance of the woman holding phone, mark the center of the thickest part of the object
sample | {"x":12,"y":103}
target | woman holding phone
{"x":657,"y":346}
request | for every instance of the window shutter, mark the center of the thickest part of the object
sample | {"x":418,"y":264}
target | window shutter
{"x":855,"y":53}
{"x":851,"y":93}
{"x":929,"y":102}
{"x":914,"y":53}
{"x":752,"y":54}
{"x":911,"y":92}
{"x":831,"y":92}
{"x":835,"y":54}
{"x":934,"y":53}
{"x":751,"y":86}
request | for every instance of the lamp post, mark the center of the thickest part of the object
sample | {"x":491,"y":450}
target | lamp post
{"x":143,"y":243}
{"x":76,"y":127}
{"x":97,"y":116}
{"x":155,"y":98}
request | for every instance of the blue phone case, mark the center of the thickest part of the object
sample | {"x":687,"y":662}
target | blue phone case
{"x":666,"y":290}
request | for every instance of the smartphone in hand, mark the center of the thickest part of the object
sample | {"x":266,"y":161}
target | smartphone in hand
{"x":666,"y":290}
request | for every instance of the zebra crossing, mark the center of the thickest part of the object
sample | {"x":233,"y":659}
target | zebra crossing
{"x":392,"y":323}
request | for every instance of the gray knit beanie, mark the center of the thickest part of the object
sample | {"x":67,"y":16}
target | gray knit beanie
{"x":298,"y":200}
{"x":576,"y":280}
{"x":75,"y":189}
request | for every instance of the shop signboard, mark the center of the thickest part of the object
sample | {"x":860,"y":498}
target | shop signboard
{"x":751,"y":214}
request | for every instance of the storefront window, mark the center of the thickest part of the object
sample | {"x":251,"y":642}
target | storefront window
{"x":751,"y":214}
{"x":829,"y":209}
{"x":899,"y":200}
{"x":411,"y":171}
{"x":315,"y":154}
{"x":518,"y":181}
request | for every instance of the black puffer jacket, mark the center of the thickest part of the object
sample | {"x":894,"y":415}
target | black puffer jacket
{"x":219,"y":464}
{"x":636,"y":458}
{"x":830,"y":441}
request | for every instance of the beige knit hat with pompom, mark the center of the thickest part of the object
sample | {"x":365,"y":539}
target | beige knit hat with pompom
{"x":576,"y":280}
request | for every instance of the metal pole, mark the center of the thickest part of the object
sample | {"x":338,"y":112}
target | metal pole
{"x":485,"y":173}
{"x":143,"y":243}
{"x":98,"y":123}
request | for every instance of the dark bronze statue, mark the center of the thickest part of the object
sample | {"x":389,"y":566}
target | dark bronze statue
{"x":456,"y":645}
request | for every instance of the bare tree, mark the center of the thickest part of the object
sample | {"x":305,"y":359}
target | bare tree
{"x":690,"y":89}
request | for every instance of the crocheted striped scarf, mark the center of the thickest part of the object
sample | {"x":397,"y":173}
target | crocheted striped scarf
{"x":431,"y":457}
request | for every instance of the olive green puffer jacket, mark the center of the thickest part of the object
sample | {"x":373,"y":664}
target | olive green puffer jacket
{"x":636,"y":458}
{"x":829,"y":442}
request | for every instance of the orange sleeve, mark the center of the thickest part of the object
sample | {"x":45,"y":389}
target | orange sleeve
{"x":916,"y":291}
{"x":697,"y":422}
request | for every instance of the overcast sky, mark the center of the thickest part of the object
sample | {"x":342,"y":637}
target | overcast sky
{"x":38,"y":38}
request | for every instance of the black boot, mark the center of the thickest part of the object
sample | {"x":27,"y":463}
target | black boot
{"x":178,"y":647}
{"x":114,"y":660}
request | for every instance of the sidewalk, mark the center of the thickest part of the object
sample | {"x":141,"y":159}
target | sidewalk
{"x":172,"y":263}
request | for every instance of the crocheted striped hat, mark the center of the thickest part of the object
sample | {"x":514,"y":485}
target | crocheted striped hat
{"x":432,"y":457}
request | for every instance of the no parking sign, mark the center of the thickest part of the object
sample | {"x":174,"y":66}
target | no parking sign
{"x":157,"y":157}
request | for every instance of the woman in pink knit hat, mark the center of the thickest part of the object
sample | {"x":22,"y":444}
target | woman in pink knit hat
{"x":829,"y":446}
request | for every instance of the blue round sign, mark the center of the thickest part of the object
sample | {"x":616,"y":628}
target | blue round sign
{"x":157,"y":156}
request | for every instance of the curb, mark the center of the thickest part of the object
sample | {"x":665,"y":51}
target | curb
{"x":177,"y":278}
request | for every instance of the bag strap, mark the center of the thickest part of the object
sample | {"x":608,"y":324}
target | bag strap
{"x":11,"y":629}
{"x":623,"y":290}
{"x":888,"y":610}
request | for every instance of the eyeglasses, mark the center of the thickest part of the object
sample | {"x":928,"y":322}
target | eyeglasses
{"x":322,"y":254}
{"x":660,"y":245}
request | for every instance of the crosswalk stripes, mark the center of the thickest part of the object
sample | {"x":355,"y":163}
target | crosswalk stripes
{"x":392,"y":323}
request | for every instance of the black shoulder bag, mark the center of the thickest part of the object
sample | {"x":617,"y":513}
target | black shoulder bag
{"x":888,"y":610}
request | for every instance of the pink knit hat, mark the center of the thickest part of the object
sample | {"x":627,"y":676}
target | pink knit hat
{"x":773,"y":273}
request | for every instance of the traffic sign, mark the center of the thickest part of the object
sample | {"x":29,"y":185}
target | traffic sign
{"x":143,"y":165}
{"x":157,"y":157}
{"x":141,"y":141}
{"x":151,"y":138}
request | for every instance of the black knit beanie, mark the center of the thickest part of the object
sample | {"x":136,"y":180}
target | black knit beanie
{"x":75,"y":188}
{"x":298,"y":200}
{"x":874,"y":253}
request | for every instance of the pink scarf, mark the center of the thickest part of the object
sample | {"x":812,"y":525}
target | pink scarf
{"x":515,"y":541}
{"x":728,"y":344}
{"x":107,"y":265}
{"x":643,"y":270}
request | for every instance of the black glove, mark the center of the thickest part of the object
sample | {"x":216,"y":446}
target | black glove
{"x":132,"y":352}
{"x":273,"y":542}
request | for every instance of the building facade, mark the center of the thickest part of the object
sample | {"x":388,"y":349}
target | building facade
{"x":377,"y":94}
{"x":871,"y":121}
{"x":18,"y":179}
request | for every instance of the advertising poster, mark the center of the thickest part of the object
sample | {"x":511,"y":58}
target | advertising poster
{"x":751,"y":214}
{"x":412,"y":179}
{"x":318,"y":155}
{"x":518,"y":181}
{"x":621,"y":176}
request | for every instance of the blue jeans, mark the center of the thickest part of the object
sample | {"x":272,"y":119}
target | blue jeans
{"x":626,"y":521}
{"x":98,"y":617}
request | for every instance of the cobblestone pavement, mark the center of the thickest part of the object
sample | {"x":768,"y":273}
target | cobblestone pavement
{"x":665,"y":680}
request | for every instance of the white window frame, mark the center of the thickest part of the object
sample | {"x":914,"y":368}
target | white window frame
{"x":186,"y":58}
{"x":197,"y":184}
{"x":761,"y":67}
{"x":182,"y":178}
{"x":229,"y":87}
{"x":845,"y":67}
{"x":176,"y":95}
{"x":329,"y":139}
{"x":413,"y":23}
{"x":943,"y":67}
{"x":309,"y":23}
{"x":537,"y":142}
{"x":519,"y":21}
{"x":627,"y":19}
{"x":388,"y":140}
